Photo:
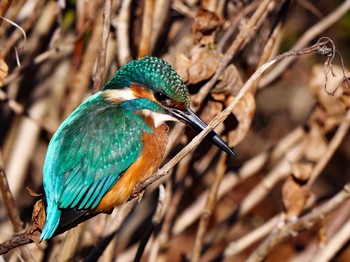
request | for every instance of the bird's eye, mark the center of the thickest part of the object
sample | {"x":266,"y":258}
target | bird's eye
{"x":162,"y":98}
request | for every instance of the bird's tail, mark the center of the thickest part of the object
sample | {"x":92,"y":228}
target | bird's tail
{"x":52,"y":221}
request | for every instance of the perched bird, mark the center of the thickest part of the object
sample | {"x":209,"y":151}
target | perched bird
{"x":115,"y":139}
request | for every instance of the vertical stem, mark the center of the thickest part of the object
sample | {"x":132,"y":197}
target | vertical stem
{"x":208,"y":209}
{"x":101,"y":57}
{"x":146,"y":34}
{"x":9,"y":200}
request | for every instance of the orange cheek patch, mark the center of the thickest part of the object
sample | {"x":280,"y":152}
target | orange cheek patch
{"x":140,"y":91}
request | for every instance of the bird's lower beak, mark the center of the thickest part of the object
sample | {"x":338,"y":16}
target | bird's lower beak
{"x":191,"y":119}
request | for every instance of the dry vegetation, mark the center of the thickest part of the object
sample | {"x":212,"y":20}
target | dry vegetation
{"x":286,"y":195}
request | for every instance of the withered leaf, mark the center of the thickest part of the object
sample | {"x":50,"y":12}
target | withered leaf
{"x":204,"y":62}
{"x":294,"y":198}
{"x":205,"y":26}
{"x":38,"y":221}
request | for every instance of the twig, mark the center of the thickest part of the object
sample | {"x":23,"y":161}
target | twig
{"x":111,"y":231}
{"x":146,"y":33}
{"x":208,"y":209}
{"x":305,"y":222}
{"x":160,"y":16}
{"x":11,"y":208}
{"x":304,"y":40}
{"x":157,"y":217}
{"x":80,"y":82}
{"x":15,"y":242}
{"x":336,"y":242}
{"x":4,"y":7}
{"x":122,"y":23}
{"x":339,"y":218}
{"x":9,"y":200}
{"x":163,"y":235}
{"x":161,"y":242}
{"x":101,"y":56}
{"x":16,"y":35}
{"x":237,"y":246}
{"x":183,"y":9}
{"x":240,"y":14}
{"x":332,"y":147}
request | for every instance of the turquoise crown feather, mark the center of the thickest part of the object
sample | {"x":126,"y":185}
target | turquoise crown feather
{"x":153,"y":73}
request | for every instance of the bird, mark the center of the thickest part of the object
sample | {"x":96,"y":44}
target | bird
{"x":115,"y":139}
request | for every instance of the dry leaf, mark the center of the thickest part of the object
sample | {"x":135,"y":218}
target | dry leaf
{"x":333,"y":107}
{"x":294,"y":197}
{"x":38,"y":221}
{"x":204,"y":63}
{"x":204,"y":27}
{"x":212,"y":109}
{"x":302,"y":171}
{"x":229,"y":82}
{"x":316,"y":145}
{"x":182,"y":63}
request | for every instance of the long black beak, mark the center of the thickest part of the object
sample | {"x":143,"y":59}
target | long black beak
{"x":191,"y":119}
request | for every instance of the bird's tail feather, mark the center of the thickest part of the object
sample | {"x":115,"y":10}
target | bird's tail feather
{"x":52,"y":221}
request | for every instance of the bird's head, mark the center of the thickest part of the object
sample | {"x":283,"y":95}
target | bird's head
{"x":167,"y":96}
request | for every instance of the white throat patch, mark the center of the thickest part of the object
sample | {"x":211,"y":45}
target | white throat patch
{"x":158,"y":118}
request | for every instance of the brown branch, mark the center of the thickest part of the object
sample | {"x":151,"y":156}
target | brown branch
{"x":146,"y":34}
{"x":13,"y":215}
{"x":102,"y":51}
{"x":337,"y":241}
{"x":208,"y":209}
{"x":122,"y":23}
{"x":332,"y":147}
{"x":9,"y":200}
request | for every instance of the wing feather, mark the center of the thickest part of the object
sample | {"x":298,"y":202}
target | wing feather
{"x":90,"y":152}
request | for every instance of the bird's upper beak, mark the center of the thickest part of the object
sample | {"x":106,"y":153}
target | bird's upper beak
{"x":191,"y":119}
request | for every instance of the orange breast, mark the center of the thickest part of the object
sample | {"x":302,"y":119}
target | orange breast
{"x":151,"y":155}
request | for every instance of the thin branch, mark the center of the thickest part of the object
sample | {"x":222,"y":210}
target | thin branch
{"x":122,"y":23}
{"x":101,"y":56}
{"x":208,"y":209}
{"x":146,"y":33}
{"x":237,"y":246}
{"x":310,"y":34}
{"x":9,"y":200}
{"x":332,"y":147}
{"x":334,"y":244}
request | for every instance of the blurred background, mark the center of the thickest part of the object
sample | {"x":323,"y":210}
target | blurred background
{"x":290,"y":130}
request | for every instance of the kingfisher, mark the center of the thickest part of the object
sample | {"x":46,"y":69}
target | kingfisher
{"x":115,"y":139}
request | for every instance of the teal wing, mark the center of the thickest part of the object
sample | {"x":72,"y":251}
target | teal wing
{"x":90,"y":152}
